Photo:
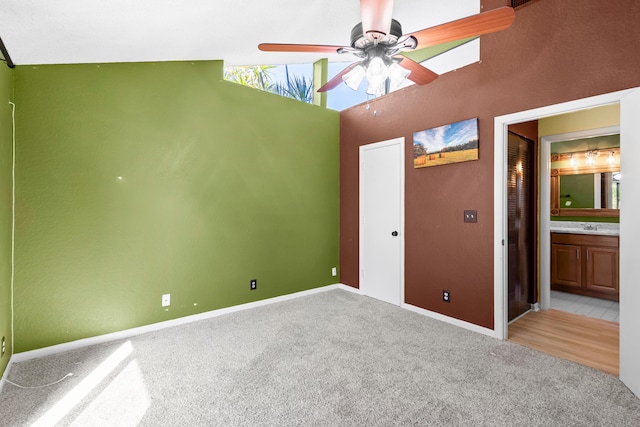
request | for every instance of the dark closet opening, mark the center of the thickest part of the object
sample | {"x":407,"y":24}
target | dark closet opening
{"x":522,"y":222}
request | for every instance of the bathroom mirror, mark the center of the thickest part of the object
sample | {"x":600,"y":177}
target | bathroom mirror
{"x":595,"y":192}
{"x":585,"y":177}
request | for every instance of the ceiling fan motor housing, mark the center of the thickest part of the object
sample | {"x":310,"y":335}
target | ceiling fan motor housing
{"x":360,"y":41}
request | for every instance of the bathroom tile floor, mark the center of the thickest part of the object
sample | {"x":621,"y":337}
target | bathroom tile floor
{"x":587,"y":306}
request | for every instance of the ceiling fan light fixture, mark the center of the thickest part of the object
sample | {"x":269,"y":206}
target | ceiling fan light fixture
{"x":354,"y":77}
{"x":378,"y":38}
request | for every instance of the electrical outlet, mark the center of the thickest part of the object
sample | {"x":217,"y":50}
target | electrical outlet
{"x":446,"y":296}
{"x":334,"y":271}
{"x":470,"y":216}
{"x":4,"y":347}
{"x":166,"y":300}
{"x":254,"y":284}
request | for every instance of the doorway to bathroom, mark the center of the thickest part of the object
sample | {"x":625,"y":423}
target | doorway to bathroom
{"x":629,"y":101}
{"x":569,"y":263}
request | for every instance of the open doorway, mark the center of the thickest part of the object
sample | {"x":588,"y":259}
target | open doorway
{"x":579,"y":167}
{"x":630,"y":105}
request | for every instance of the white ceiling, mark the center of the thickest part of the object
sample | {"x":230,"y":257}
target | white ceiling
{"x":98,"y":31}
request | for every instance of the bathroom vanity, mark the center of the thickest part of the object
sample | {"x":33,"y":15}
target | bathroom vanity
{"x":584,"y":258}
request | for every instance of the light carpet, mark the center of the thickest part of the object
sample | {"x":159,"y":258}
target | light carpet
{"x":329,"y":359}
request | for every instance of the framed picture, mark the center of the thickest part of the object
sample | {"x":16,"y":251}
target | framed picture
{"x":453,"y":143}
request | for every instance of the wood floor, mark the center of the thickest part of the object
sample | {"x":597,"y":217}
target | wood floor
{"x":586,"y":340}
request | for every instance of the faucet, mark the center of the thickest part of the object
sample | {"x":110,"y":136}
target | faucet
{"x":591,"y":226}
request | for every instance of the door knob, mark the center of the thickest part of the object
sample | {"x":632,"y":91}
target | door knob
{"x":394,"y":234}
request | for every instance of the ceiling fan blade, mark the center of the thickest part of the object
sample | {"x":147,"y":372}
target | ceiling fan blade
{"x":376,"y":16}
{"x":419,"y":75}
{"x":283,"y":47}
{"x":334,"y":82}
{"x":475,"y":25}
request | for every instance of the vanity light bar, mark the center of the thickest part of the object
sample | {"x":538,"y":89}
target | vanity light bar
{"x":571,"y":157}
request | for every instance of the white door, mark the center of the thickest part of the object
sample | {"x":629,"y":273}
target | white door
{"x":382,"y":220}
{"x":629,"y":241}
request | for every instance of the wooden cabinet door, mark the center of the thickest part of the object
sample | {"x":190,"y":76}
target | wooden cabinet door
{"x":602,"y":269}
{"x":566,"y":267}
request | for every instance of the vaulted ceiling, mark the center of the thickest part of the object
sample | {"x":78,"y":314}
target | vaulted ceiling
{"x":95,"y":31}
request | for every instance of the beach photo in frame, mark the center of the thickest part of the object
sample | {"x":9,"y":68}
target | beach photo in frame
{"x":452,"y":143}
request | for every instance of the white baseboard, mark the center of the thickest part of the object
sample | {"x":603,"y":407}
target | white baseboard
{"x":348,"y":288}
{"x":519,"y":317}
{"x":3,"y":380}
{"x":456,"y":322}
{"x":128,"y":333}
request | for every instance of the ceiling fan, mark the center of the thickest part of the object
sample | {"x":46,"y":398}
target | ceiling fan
{"x":379,"y":41}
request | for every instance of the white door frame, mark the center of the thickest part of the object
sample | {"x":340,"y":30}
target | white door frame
{"x":501,"y":124}
{"x":396,"y":141}
{"x":629,"y":230}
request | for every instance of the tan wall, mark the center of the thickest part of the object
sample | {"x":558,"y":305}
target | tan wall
{"x":593,"y":118}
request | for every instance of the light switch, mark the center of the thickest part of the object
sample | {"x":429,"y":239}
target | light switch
{"x":470,"y":216}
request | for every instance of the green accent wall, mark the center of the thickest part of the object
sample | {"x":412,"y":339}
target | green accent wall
{"x":137,"y":180}
{"x":6,"y":94}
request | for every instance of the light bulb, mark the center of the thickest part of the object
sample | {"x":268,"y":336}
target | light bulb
{"x":610,"y":158}
{"x":376,"y":89}
{"x":591,"y":155}
{"x":572,"y":161}
{"x":354,"y":77}
{"x":397,"y":73}
{"x":377,"y":72}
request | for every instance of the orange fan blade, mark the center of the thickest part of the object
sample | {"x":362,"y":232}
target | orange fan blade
{"x":334,"y":82}
{"x":476,"y":25}
{"x":376,"y":16}
{"x":419,"y":75}
{"x":276,"y":47}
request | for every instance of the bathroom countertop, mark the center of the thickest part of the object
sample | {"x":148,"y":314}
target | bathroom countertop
{"x":574,"y":227}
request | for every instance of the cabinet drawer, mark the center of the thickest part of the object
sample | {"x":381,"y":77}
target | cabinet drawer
{"x":585,"y":240}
